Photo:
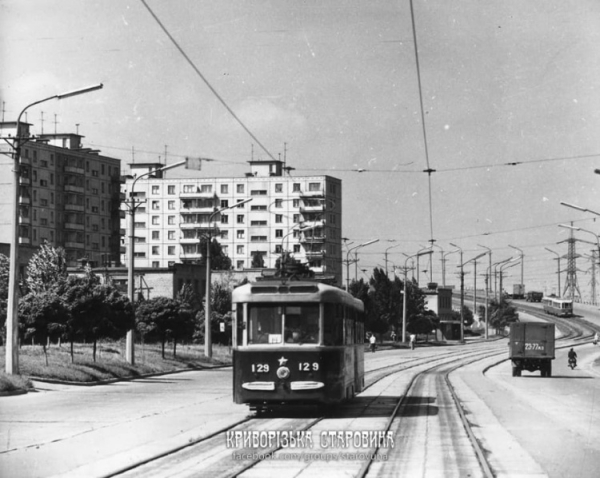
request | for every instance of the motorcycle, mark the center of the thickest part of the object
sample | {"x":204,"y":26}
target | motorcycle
{"x":572,"y":363}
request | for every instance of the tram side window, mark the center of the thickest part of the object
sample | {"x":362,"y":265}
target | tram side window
{"x":264,"y":324}
{"x":333,"y":324}
{"x":350,"y":315}
{"x":239,"y":320}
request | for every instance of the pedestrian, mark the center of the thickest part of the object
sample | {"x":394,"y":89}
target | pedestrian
{"x":413,"y":339}
{"x":373,"y":342}
{"x":393,"y":336}
{"x":596,"y":338}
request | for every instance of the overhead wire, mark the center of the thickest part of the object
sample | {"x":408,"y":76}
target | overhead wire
{"x":206,"y":82}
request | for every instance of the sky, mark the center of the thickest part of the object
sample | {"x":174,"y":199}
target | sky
{"x":333,"y":87}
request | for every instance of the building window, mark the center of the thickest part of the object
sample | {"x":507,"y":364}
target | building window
{"x":189,"y":188}
{"x":314,"y":186}
{"x":155,"y":190}
{"x":240,"y":234}
{"x":171,"y":250}
{"x":170,"y":190}
{"x":278,"y":249}
{"x":239,"y":249}
{"x":206,"y":188}
{"x":258,"y":238}
{"x":155,"y":264}
{"x":155,"y":220}
{"x":171,"y":205}
{"x":278,"y":188}
{"x":258,"y":192}
{"x":278,"y":202}
{"x":155,"y":250}
{"x":155,"y":205}
{"x":224,"y":188}
{"x":239,"y":265}
{"x":296,"y":218}
{"x":224,"y":203}
{"x":258,"y":223}
{"x":279,"y":218}
{"x":278,"y":232}
{"x":224,"y":219}
{"x":240,"y":219}
{"x":171,"y":220}
{"x":296,"y":187}
{"x":171,"y":235}
{"x":258,"y":208}
{"x":156,"y":235}
{"x":240,"y":188}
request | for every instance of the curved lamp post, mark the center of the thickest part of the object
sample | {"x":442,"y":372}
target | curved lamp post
{"x":444,"y":266}
{"x":488,"y":287}
{"x":522,"y":257}
{"x":386,"y":255}
{"x":462,"y":292}
{"x":495,"y":266}
{"x":356,"y":260}
{"x":558,"y":271}
{"x":404,"y":299}
{"x":12,"y":317}
{"x":207,"y":311}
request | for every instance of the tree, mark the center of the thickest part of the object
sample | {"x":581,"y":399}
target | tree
{"x":4,"y":275}
{"x":218,"y":260}
{"x":258,"y":261}
{"x":95,"y":311}
{"x":424,"y":323}
{"x":502,"y":314}
{"x":163,"y":318}
{"x":47,"y":268}
{"x":220,"y":306}
{"x":42,"y":316}
{"x":386,"y":302}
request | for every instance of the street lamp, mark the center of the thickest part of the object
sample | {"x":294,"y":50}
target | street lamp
{"x":444,"y":266}
{"x":404,"y":299}
{"x":488,"y":286}
{"x":133,"y":204}
{"x":495,"y":266}
{"x":356,"y":260}
{"x":432,"y":241}
{"x":386,"y":255}
{"x":462,"y":292}
{"x":12,"y":317}
{"x":579,"y":208}
{"x":558,"y":271}
{"x":508,"y":265}
{"x":522,"y":256}
{"x":207,"y":311}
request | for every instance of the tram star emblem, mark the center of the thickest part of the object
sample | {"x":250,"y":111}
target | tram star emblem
{"x":282,"y":361}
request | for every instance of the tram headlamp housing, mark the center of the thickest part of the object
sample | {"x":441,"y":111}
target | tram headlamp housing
{"x":283,"y":373}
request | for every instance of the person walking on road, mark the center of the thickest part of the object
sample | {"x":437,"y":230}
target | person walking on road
{"x":373,"y":342}
{"x":413,"y":339}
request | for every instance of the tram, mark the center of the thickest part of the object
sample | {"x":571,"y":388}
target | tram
{"x":296,"y":342}
{"x":558,"y":307}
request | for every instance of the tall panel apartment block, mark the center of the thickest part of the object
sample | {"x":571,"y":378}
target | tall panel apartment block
{"x":68,"y":196}
{"x":299,"y":214}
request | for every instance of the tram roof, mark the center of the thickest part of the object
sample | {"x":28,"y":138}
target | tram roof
{"x":294,"y":291}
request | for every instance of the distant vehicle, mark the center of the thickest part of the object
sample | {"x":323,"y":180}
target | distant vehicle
{"x":533,"y":296}
{"x":296,"y":342}
{"x":558,"y":307}
{"x":531,"y":347}
{"x":518,"y":291}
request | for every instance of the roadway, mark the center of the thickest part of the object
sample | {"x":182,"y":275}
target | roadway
{"x":516,"y":426}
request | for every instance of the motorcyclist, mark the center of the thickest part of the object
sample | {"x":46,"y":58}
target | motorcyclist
{"x":572,"y":356}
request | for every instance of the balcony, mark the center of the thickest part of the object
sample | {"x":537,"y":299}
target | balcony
{"x":198,"y":194}
{"x":313,"y":207}
{"x":74,"y":226}
{"x":24,"y":220}
{"x":314,"y":254}
{"x":190,"y":256}
{"x":74,"y":169}
{"x":24,"y":180}
{"x":24,"y":240}
{"x":74,"y":207}
{"x":24,"y":200}
{"x":74,"y":189}
{"x":204,"y":228}
{"x":24,"y":160}
{"x":189,"y":240}
{"x":74,"y":245}
{"x":312,"y":239}
{"x":312,"y":194}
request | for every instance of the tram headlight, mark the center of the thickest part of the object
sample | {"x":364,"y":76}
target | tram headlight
{"x":283,"y":373}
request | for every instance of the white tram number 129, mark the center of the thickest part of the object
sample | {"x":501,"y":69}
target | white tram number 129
{"x":307,"y":367}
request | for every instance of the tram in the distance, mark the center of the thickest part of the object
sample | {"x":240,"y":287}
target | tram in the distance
{"x":558,"y":307}
{"x":296,"y":342}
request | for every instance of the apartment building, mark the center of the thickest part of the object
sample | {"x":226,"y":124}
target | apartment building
{"x":299,"y":214}
{"x":68,"y":196}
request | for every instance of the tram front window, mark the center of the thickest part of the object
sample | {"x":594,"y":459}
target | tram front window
{"x":276,"y":324}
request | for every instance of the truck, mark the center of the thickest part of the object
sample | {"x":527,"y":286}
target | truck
{"x":531,"y":347}
{"x":533,"y":296}
{"x":518,"y":291}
